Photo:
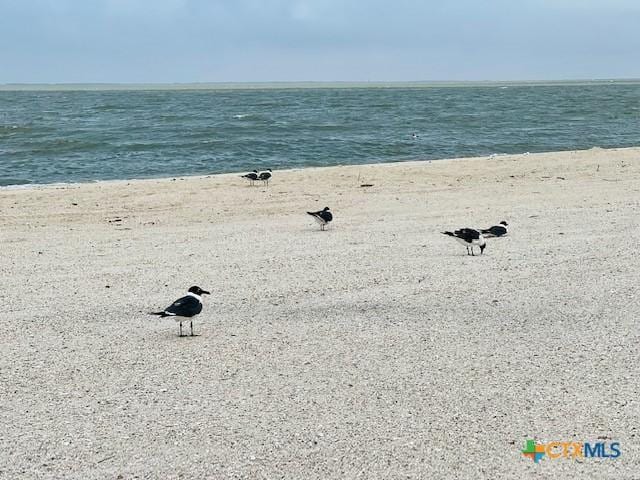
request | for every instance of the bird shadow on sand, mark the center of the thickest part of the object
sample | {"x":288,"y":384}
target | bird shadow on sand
{"x":171,"y":335}
{"x":464,"y":255}
{"x":316,"y":230}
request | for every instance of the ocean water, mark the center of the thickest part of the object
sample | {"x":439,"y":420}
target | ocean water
{"x":51,"y":136}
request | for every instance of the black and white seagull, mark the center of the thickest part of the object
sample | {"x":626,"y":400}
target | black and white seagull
{"x":265,"y":176}
{"x":251,"y":176}
{"x":185,"y":308}
{"x":469,"y":238}
{"x":323,"y":217}
{"x":496,"y":230}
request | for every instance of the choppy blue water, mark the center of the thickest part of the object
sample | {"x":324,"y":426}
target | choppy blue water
{"x":73,"y":136}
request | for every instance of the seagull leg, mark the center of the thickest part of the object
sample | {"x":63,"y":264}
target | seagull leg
{"x":180,"y":329}
{"x":192,"y":328}
{"x":472,"y":254}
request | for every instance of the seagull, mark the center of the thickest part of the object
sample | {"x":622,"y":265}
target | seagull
{"x":323,"y":217}
{"x":496,"y":230}
{"x":252,"y":176}
{"x":469,"y":238}
{"x":185,"y":308}
{"x":265,"y":176}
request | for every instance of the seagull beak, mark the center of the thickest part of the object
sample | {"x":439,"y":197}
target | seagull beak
{"x":205,"y":292}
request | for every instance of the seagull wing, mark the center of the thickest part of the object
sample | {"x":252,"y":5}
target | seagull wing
{"x":322,"y":216}
{"x":498,"y":230}
{"x":495,"y":231}
{"x":326,"y":216}
{"x":467,"y":234}
{"x":187,"y":306}
{"x":317,"y":217}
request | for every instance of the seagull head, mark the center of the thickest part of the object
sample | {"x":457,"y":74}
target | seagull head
{"x":325,"y":209}
{"x":198,"y":291}
{"x":504,"y":223}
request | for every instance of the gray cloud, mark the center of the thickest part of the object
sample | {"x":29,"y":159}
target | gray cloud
{"x":262,"y":40}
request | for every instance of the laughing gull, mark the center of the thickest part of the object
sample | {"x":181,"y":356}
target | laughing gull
{"x":265,"y":176}
{"x":252,"y":176}
{"x":469,"y":238}
{"x":323,"y":217}
{"x":496,"y":230}
{"x":185,"y":308}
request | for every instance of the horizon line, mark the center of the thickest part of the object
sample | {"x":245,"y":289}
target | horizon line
{"x":295,"y":84}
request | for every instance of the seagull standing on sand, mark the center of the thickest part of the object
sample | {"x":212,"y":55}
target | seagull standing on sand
{"x":265,"y":176}
{"x":469,"y":238}
{"x":496,"y":230}
{"x":185,"y":308}
{"x":323,"y":217}
{"x":252,"y":176}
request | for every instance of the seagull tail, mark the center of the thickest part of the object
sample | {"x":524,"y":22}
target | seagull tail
{"x":160,"y":314}
{"x":448,"y":233}
{"x":313,"y":214}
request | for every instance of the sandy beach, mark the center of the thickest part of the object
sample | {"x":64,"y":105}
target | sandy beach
{"x":376,"y":349}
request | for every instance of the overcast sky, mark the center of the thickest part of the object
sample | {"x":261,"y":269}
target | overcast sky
{"x":63,"y":41}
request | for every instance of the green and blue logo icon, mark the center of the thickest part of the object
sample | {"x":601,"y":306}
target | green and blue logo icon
{"x":533,"y":451}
